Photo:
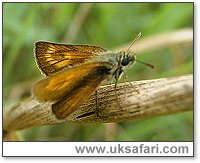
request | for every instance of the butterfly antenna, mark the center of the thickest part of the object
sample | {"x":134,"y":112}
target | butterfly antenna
{"x":147,"y":64}
{"x":136,"y":38}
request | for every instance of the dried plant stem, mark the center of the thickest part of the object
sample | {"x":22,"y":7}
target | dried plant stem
{"x":156,"y":97}
{"x":160,"y":40}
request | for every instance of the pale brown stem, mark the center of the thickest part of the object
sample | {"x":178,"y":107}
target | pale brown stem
{"x":160,"y":41}
{"x":156,"y":97}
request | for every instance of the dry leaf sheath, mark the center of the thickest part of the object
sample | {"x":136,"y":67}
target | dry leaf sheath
{"x":156,"y":97}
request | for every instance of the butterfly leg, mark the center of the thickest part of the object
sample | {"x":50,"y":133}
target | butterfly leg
{"x":125,"y":78}
{"x":96,"y":102}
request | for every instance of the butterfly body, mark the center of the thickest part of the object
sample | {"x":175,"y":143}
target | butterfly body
{"x":74,"y":72}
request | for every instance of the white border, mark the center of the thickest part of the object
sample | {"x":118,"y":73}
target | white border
{"x":108,"y":149}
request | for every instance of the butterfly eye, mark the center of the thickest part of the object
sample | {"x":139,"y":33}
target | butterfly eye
{"x":127,"y":59}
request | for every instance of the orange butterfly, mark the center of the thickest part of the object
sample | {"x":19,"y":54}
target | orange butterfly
{"x":75,"y":72}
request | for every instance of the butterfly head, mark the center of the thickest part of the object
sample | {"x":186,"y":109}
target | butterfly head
{"x":127,"y":59}
{"x":124,"y":60}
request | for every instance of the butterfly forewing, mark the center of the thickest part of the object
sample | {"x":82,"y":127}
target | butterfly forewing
{"x":58,"y":85}
{"x":72,"y":100}
{"x":52,"y":58}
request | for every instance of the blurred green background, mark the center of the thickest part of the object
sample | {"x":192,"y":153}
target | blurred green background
{"x":108,"y":25}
